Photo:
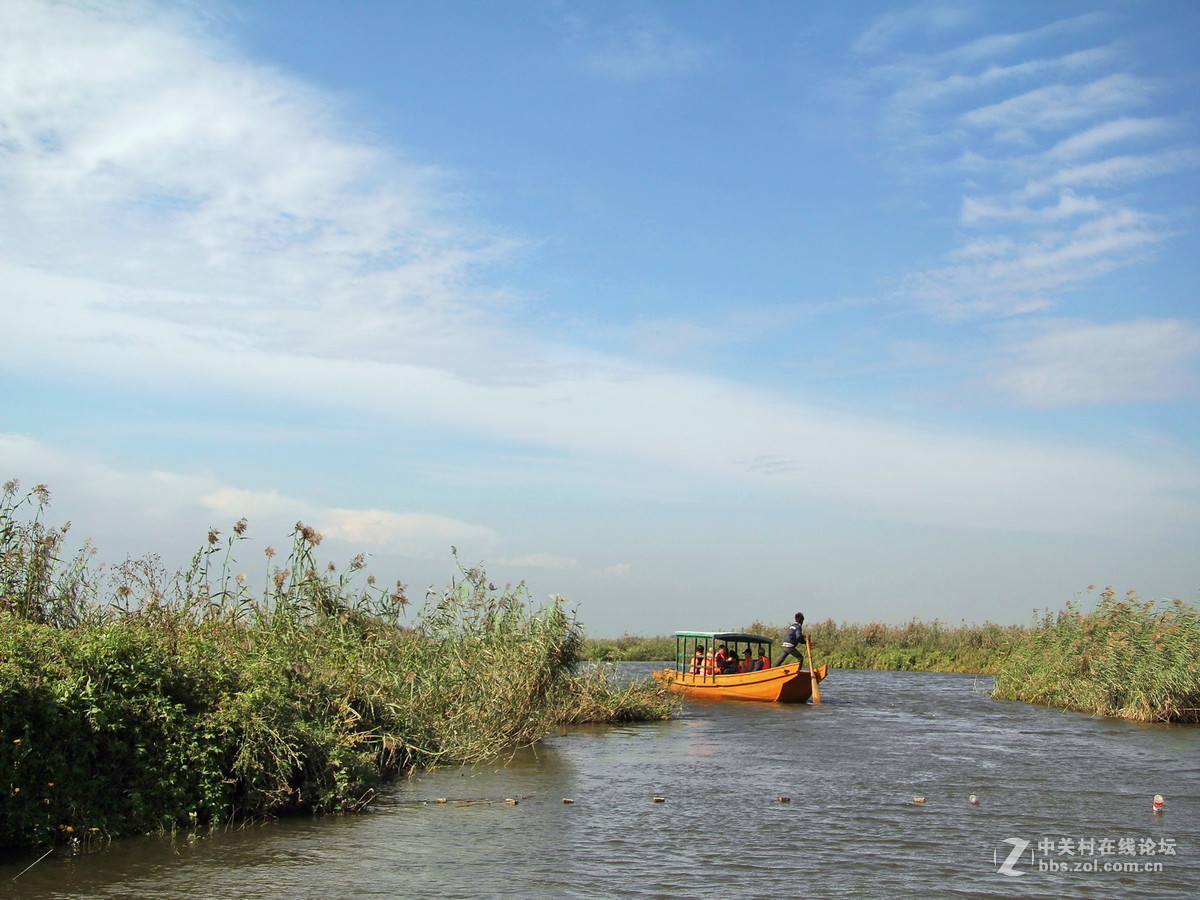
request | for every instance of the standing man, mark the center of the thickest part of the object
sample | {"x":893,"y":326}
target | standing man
{"x":793,"y":640}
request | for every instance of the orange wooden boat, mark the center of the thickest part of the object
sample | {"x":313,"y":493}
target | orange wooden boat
{"x":779,"y":684}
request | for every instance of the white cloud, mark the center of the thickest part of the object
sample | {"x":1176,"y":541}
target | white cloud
{"x":619,"y":570}
{"x":538,"y":561}
{"x":923,"y":18}
{"x":408,"y":534}
{"x":999,"y":46}
{"x":1082,"y":363}
{"x":207,"y":190}
{"x":610,"y":417}
{"x":1120,"y":130}
{"x":923,"y":87}
{"x":1117,"y":170}
{"x":635,"y":49}
{"x":1007,"y":275}
{"x":1057,"y":106}
{"x":298,"y":268}
{"x":981,"y":209}
{"x":1045,"y":216}
{"x":150,"y":504}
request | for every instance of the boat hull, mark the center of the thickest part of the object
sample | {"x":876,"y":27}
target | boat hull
{"x":780,"y":684}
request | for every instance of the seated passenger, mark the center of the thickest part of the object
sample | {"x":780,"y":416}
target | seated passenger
{"x":697,"y":667}
{"x":764,"y":661}
{"x":748,"y":663}
{"x":730,"y":664}
{"x":722,"y":657}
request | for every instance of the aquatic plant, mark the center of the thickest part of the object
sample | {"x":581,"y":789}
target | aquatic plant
{"x":599,"y":694}
{"x":135,"y":700}
{"x":1132,"y":658}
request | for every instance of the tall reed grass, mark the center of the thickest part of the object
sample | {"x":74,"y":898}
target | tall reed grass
{"x":133,"y":699}
{"x":1128,"y":657}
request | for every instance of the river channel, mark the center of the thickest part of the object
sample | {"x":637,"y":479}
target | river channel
{"x":695,"y":808}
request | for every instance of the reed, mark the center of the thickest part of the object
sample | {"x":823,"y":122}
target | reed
{"x":926,"y":646}
{"x":630,"y":648}
{"x":1128,"y":657}
{"x":916,"y":645}
{"x":135,"y":700}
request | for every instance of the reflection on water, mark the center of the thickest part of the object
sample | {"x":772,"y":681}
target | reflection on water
{"x":850,"y":767}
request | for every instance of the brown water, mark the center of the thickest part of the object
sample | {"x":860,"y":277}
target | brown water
{"x":1070,"y":785}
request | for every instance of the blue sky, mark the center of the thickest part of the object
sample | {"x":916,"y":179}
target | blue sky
{"x":694,"y":313}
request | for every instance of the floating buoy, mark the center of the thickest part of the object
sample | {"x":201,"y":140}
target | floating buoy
{"x":660,"y":799}
{"x":440,"y":800}
{"x":785,"y":799}
{"x":918,"y":799}
{"x":973,"y":799}
{"x":510,"y":801}
{"x":567,"y":800}
{"x":1159,"y":803}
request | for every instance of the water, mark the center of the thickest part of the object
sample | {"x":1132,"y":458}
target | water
{"x":851,"y":768}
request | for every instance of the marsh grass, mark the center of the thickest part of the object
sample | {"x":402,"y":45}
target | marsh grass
{"x":914,"y":646}
{"x":630,"y":648}
{"x":1128,"y":657}
{"x":136,"y":700}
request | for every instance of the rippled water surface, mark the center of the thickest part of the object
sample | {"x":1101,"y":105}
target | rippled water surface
{"x":1076,"y":788}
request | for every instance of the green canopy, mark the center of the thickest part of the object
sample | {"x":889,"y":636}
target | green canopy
{"x":727,"y":636}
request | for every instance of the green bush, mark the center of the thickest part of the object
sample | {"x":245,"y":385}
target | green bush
{"x":148,"y":701}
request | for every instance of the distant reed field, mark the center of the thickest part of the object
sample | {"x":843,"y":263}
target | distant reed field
{"x":914,"y":646}
{"x":1128,"y":657}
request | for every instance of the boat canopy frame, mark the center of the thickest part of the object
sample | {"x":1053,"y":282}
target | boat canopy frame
{"x":686,"y":642}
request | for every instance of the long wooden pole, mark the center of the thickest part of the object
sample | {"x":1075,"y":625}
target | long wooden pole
{"x":812,"y":672}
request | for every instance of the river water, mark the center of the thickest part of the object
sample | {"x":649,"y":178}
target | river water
{"x":1066,"y":796}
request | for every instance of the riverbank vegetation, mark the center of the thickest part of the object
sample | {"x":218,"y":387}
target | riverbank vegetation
{"x":133,"y":700}
{"x":1128,"y":657}
{"x":913,"y":646}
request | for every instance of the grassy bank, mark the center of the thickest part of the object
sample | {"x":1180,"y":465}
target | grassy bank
{"x":914,"y":646}
{"x":133,"y":700}
{"x":629,"y":648}
{"x":1129,"y":657}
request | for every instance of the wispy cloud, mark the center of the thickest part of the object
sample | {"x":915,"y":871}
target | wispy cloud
{"x":1065,"y":206}
{"x":1080,"y":363}
{"x":219,"y":192}
{"x":1009,"y":275}
{"x":1030,"y":136}
{"x":1057,"y":106}
{"x":185,"y":505}
{"x":538,"y":561}
{"x":234,"y":245}
{"x":1122,"y":130}
{"x":921,"y":19}
{"x":1117,"y":170}
{"x":635,"y":49}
